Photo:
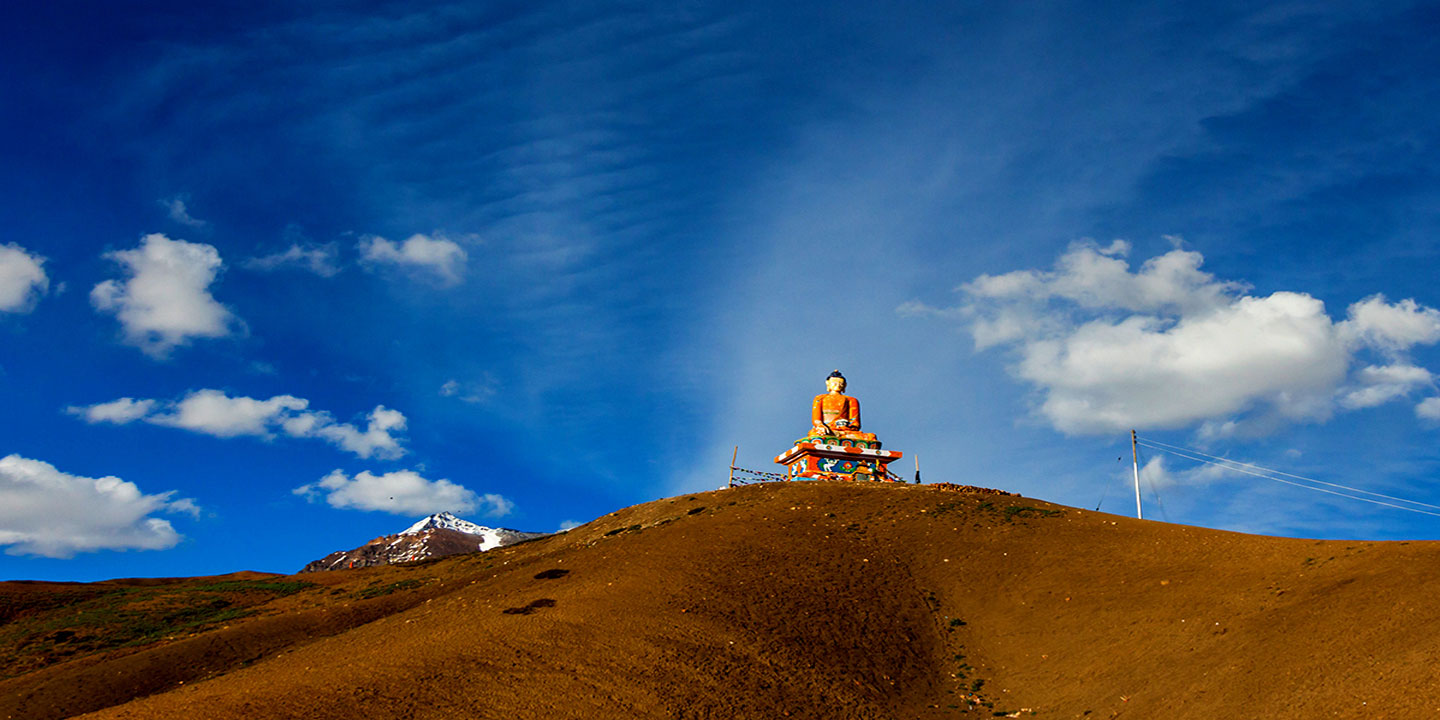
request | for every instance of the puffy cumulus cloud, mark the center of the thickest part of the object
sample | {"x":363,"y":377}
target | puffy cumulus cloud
{"x":438,"y":256}
{"x":1108,"y":348}
{"x":375,"y":440}
{"x":1429,"y":408}
{"x":213,"y":412}
{"x":323,"y":260}
{"x":1379,"y":384}
{"x":47,"y":512}
{"x":403,"y":492}
{"x":165,"y":301}
{"x":22,"y":279}
{"x":1391,"y":327}
{"x":119,"y":412}
{"x":1099,"y":278}
{"x":1141,"y":371}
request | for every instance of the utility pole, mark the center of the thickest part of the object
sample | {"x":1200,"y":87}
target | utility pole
{"x":1135,"y":456}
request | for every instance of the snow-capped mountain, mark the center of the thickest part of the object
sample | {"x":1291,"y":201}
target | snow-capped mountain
{"x":436,"y":536}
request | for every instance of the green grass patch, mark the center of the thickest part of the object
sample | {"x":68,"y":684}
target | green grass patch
{"x":51,"y":627}
{"x":382,"y":590}
{"x":276,"y":588}
{"x":1027,"y":511}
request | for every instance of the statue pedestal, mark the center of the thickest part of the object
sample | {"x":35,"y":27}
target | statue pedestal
{"x":818,"y":459}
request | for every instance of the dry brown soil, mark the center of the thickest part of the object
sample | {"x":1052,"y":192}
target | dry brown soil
{"x":800,"y":600}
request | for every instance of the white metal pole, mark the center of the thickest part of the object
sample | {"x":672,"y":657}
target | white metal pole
{"x":1135,"y":456}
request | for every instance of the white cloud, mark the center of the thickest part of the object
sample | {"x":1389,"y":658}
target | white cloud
{"x":179,"y":213}
{"x":1380,"y":384}
{"x":46,"y":512}
{"x":437,"y":256}
{"x":323,"y":260}
{"x":1100,"y":278}
{"x":1429,"y":408}
{"x":376,"y":439}
{"x":1393,"y":328}
{"x":166,"y":299}
{"x":568,"y":525}
{"x":473,"y":392}
{"x":1156,"y":474}
{"x":1171,"y":346}
{"x":184,"y":505}
{"x":22,"y":279}
{"x":122,"y":411}
{"x":213,"y":412}
{"x":403,"y":492}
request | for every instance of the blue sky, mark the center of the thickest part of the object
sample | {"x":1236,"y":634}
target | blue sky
{"x":275,"y":280}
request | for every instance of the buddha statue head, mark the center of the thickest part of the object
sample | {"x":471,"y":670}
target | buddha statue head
{"x":835,"y":383}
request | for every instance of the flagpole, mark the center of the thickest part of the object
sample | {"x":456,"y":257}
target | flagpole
{"x":733,"y":457}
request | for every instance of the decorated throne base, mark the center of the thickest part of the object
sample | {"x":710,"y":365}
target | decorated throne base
{"x":832,"y":460}
{"x":858,"y":439}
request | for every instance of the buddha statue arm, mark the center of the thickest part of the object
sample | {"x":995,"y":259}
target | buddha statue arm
{"x":817,"y":416}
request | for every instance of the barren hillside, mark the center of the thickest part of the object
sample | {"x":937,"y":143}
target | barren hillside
{"x":802,"y":600}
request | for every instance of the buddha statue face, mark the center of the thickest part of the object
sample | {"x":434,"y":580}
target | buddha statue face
{"x":835,"y":384}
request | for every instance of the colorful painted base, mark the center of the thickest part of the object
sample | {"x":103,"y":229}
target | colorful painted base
{"x":860,"y":440}
{"x":836,"y":461}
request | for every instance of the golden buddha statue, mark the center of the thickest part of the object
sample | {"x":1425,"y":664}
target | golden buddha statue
{"x":836,"y":449}
{"x":835,"y":414}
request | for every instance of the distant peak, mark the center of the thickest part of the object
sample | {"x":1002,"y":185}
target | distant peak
{"x":445,"y":521}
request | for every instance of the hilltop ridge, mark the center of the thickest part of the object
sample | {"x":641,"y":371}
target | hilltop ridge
{"x":818,"y":600}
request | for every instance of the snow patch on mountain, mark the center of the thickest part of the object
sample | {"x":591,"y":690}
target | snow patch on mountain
{"x":435,"y":536}
{"x":445,"y":521}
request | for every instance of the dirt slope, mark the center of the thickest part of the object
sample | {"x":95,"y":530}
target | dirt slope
{"x":814,"y":600}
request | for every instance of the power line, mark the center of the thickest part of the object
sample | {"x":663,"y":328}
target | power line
{"x":1154,"y":443}
{"x":1183,"y":452}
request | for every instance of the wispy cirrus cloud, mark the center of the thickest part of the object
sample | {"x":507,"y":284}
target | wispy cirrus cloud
{"x":178,"y":212}
{"x":570,"y":166}
{"x":215,"y":413}
{"x":473,"y":392}
{"x":320,"y":259}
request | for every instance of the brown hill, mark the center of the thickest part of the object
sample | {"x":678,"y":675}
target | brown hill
{"x":807,"y":600}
